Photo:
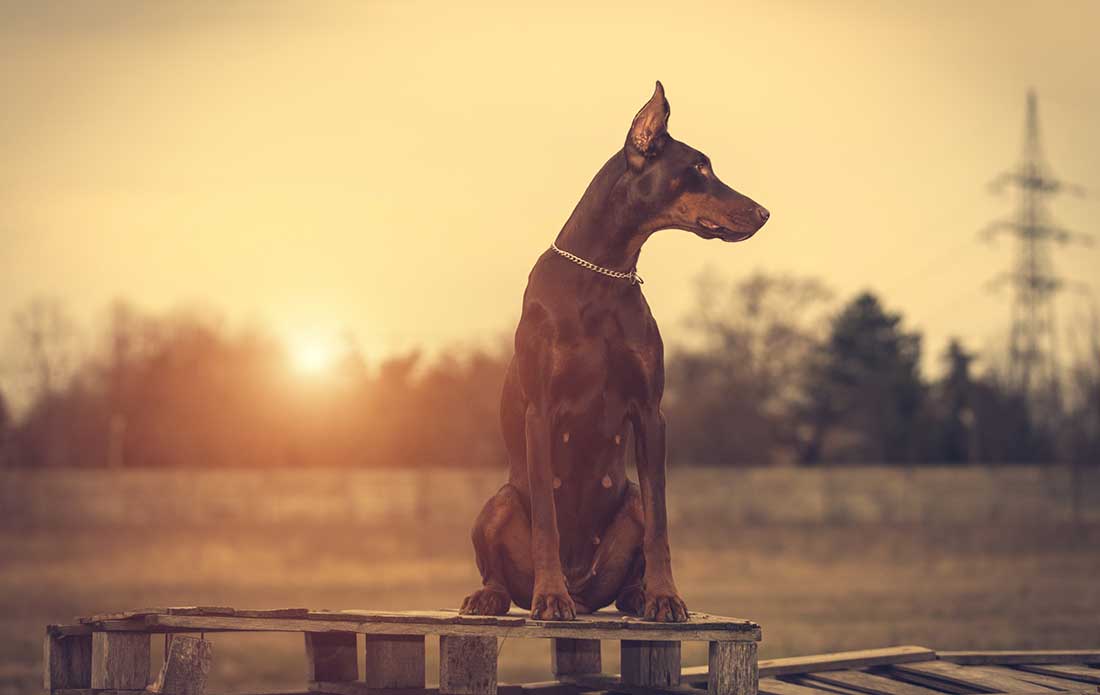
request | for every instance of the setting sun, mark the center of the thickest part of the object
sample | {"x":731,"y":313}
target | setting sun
{"x":311,"y":355}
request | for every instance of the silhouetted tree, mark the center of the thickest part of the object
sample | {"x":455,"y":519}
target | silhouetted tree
{"x":44,"y":335}
{"x":44,"y":347}
{"x":1082,"y":427}
{"x":864,"y":389}
{"x":759,"y":376}
{"x":5,"y":430}
{"x":953,"y":410}
{"x":1005,"y":430}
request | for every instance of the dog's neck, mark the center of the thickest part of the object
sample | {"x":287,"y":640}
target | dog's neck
{"x":601,"y":230}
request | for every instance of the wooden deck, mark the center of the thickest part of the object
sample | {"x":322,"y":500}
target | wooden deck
{"x":110,"y":654}
{"x":915,"y":670}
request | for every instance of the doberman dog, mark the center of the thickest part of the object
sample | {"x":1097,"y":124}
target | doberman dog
{"x":569,"y":533}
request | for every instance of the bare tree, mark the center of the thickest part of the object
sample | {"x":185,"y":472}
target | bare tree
{"x":44,"y":359}
{"x":45,"y":340}
{"x":735,"y":387}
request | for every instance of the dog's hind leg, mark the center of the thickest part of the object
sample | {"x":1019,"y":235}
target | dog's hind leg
{"x":502,"y":544}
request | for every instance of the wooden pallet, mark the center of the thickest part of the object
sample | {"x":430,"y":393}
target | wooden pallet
{"x":110,"y":653}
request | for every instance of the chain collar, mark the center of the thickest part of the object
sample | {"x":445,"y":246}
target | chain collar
{"x":633,"y":276}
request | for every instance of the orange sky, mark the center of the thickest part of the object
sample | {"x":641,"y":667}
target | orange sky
{"x":394,"y":168}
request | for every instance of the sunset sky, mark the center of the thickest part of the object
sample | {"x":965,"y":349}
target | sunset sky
{"x":394,"y":168}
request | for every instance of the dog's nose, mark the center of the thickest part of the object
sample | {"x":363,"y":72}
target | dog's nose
{"x":762,"y":213}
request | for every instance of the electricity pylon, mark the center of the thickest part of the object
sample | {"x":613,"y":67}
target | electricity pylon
{"x":1033,"y":336}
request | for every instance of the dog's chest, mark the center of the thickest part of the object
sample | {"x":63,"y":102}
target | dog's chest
{"x":602,"y":367}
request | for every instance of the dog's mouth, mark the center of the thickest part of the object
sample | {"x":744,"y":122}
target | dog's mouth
{"x":713,"y":230}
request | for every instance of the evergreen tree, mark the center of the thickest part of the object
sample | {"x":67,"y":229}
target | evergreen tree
{"x":954,"y":396}
{"x":865,"y":391}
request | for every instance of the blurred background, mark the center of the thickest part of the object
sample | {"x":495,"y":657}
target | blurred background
{"x":260,"y":263}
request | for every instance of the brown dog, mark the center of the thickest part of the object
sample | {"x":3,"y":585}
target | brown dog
{"x":569,"y":533}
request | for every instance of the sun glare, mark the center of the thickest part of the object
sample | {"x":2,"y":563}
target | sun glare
{"x":312,"y":356}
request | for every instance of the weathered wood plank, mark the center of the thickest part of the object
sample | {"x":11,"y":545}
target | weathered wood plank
{"x":281,"y":692}
{"x":394,"y":661}
{"x":1075,"y":672}
{"x":1011,"y":658}
{"x":773,"y":686}
{"x":118,"y":615}
{"x":615,"y":620}
{"x":769,"y":686}
{"x":927,"y":681}
{"x":467,"y":665}
{"x":650,"y":662}
{"x":866,"y":683}
{"x":612,"y":683}
{"x":90,"y":691}
{"x":1038,"y":679}
{"x":120,"y":660}
{"x":601,"y":616}
{"x":197,"y":611}
{"x":68,"y":630}
{"x":117,"y":626}
{"x":836,"y":661}
{"x":66,"y":661}
{"x":186,"y":668}
{"x":569,"y":657}
{"x":600,"y":621}
{"x":441,"y":617}
{"x":970,"y":677}
{"x":272,"y":612}
{"x":545,"y":688}
{"x":732,"y":668}
{"x":579,"y":630}
{"x":331,"y":656}
{"x":361,"y":688}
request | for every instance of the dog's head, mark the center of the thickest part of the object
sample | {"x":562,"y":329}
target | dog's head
{"x":675,"y":186}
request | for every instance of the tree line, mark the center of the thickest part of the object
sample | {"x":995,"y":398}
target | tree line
{"x":765,"y":370}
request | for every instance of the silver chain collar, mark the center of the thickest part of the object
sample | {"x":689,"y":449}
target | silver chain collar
{"x":633,"y":276}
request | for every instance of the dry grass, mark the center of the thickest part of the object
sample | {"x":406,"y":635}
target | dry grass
{"x":813,"y":586}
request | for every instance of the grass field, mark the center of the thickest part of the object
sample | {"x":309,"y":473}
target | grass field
{"x":853,"y":571}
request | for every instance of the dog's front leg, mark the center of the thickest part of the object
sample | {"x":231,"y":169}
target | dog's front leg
{"x":551,"y":600}
{"x":662,"y":601}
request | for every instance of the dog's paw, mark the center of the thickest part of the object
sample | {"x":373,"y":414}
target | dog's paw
{"x":486,"y":601}
{"x":553,"y":605}
{"x":665,"y":607}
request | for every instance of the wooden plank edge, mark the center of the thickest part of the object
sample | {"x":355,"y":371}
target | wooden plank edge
{"x":361,"y":688}
{"x":96,"y":691}
{"x":605,"y":618}
{"x":176,"y":623}
{"x":973,"y":679}
{"x":612,"y":682}
{"x":793,"y":665}
{"x":1081,"y":673}
{"x":68,"y":630}
{"x":89,"y":691}
{"x":780,"y":687}
{"x":596,"y":621}
{"x":1010,"y":658}
{"x":865,"y":682}
{"x":196,"y":610}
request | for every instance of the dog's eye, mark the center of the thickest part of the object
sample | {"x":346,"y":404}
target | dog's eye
{"x":702,"y":167}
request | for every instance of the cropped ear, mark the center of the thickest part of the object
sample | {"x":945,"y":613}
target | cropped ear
{"x":649,"y":130}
